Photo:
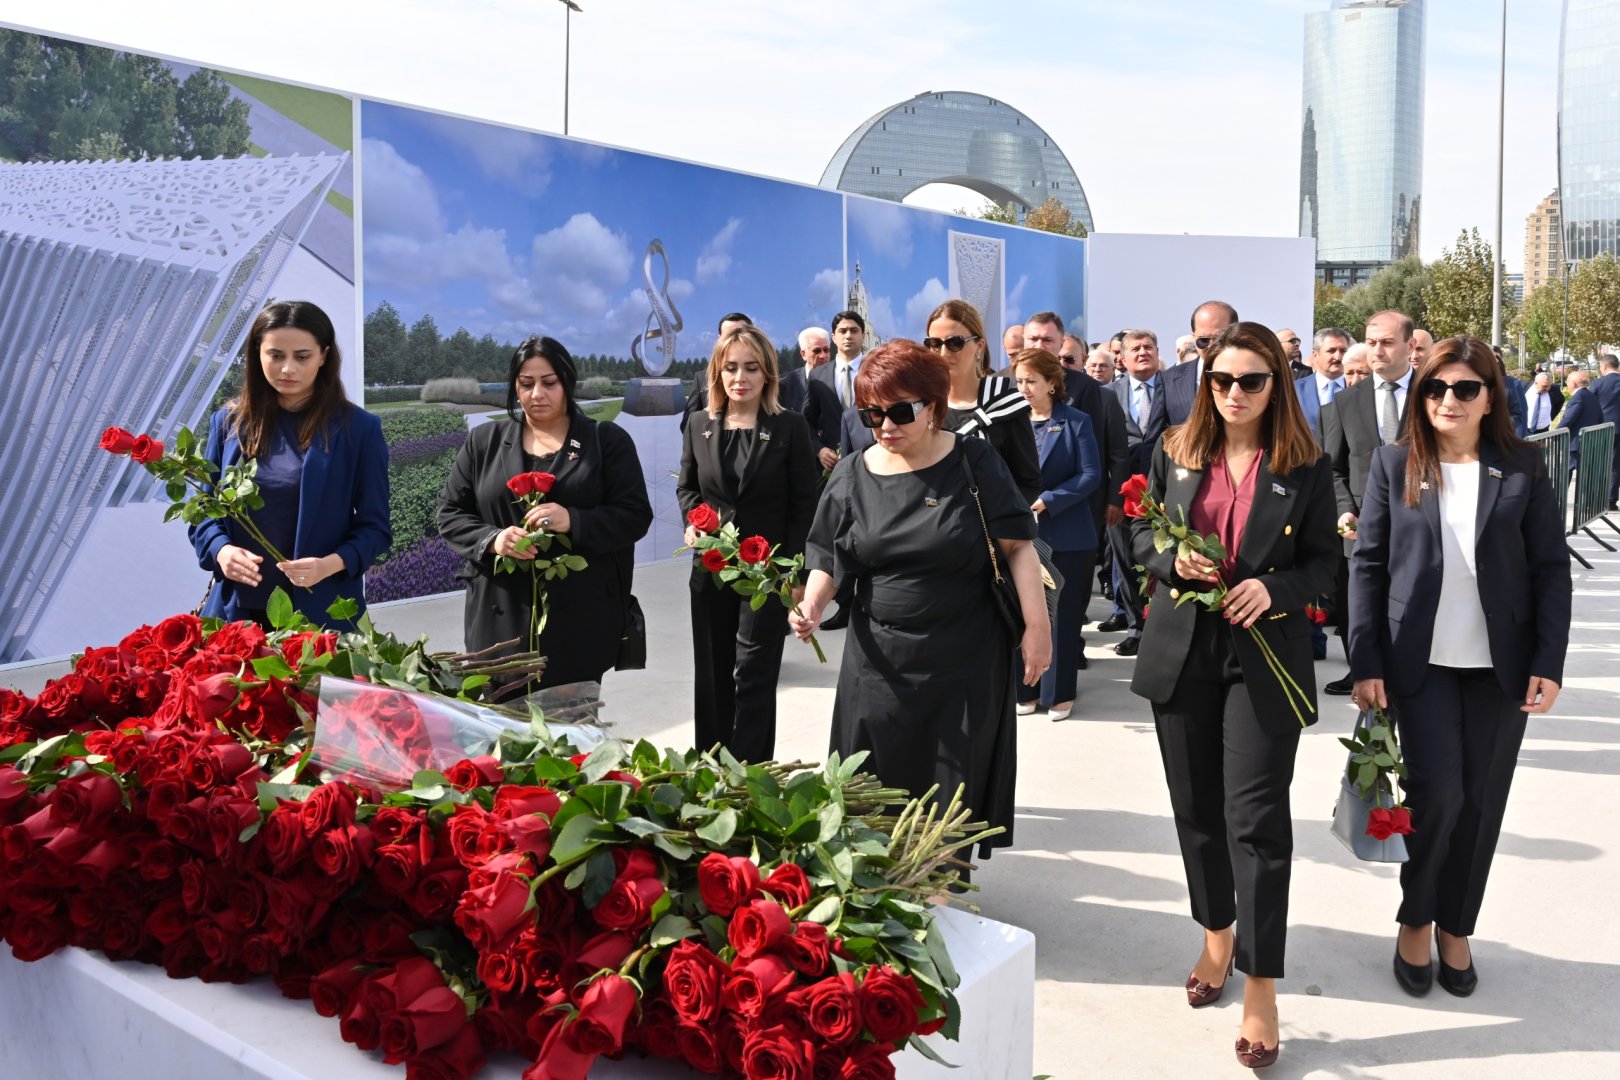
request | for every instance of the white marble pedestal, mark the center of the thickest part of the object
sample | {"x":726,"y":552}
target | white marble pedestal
{"x":78,"y":1016}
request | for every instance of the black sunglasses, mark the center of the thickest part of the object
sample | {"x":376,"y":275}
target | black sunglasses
{"x":954,"y":343}
{"x":1462,"y":389}
{"x":1203,"y":342}
{"x":1069,"y":360}
{"x":901,"y":412}
{"x":1252,"y":383}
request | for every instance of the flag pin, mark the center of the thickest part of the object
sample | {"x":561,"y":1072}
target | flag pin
{"x":1279,"y":489}
{"x":929,"y":500}
{"x":1496,"y":474}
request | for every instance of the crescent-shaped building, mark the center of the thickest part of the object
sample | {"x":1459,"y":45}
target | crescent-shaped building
{"x":954,"y":137}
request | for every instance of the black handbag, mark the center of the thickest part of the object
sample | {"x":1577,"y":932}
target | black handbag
{"x":1008,"y":607}
{"x":633,"y":639}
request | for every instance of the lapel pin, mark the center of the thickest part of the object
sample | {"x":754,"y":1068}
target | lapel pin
{"x":765,"y":435}
{"x":574,"y":443}
{"x":572,"y":456}
{"x":1181,"y":474}
{"x":1288,"y":530}
{"x":1496,"y":474}
{"x":1279,"y":489}
{"x":1423,"y":486}
{"x":929,"y":500}
{"x":707,"y":432}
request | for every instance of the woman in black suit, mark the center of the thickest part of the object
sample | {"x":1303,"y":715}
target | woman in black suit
{"x":1246,"y":467}
{"x":599,"y":502}
{"x":752,"y":461}
{"x":1459,"y":528}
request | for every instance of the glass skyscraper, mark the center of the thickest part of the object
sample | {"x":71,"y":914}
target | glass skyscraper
{"x":1589,"y":128}
{"x":1361,"y":151}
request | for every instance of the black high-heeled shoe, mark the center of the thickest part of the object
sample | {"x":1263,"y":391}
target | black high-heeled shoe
{"x":1415,"y":979}
{"x":1458,"y":982}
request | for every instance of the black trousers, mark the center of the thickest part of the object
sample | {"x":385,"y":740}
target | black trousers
{"x":1127,"y":593}
{"x":1460,"y":735}
{"x":1058,"y":684}
{"x":1229,"y":782}
{"x":737,"y":658}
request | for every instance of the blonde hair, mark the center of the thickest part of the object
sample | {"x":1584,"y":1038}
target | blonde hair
{"x":757,"y":343}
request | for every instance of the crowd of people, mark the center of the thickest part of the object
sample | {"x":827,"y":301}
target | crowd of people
{"x":938,"y":490}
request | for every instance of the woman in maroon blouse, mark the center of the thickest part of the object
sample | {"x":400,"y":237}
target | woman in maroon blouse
{"x":1246,"y":467}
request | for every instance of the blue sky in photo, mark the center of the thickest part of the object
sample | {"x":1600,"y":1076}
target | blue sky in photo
{"x":903,"y":252}
{"x":513,"y":233}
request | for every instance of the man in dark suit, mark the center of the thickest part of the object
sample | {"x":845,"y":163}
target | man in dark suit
{"x":1363,"y":418}
{"x":1141,"y":397}
{"x":1290,"y":343}
{"x":1318,"y":389}
{"x":1181,"y":381}
{"x":698,"y":399}
{"x":1607,"y":392}
{"x":849,"y":344}
{"x":1108,"y":427}
{"x":1581,"y":413}
{"x":815,"y":401}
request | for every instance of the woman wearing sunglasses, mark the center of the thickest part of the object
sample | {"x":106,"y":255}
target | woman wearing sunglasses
{"x":1246,"y":467}
{"x":1071,"y":470}
{"x":982,"y":405}
{"x":1459,"y":530}
{"x":918,"y":687}
{"x":751,"y":460}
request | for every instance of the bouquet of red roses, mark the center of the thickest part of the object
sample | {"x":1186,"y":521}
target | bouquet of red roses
{"x":532,"y":489}
{"x":1177,"y":533}
{"x":1375,"y":767}
{"x":749,"y":566}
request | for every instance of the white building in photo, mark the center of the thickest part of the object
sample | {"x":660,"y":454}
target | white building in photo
{"x":126,"y":290}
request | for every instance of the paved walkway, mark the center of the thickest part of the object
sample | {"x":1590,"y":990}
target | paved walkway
{"x":1095,"y":873}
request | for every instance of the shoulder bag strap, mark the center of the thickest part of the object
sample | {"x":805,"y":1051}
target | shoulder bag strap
{"x":973,"y":489}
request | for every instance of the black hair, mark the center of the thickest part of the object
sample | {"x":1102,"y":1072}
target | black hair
{"x":562,"y":363}
{"x":735,"y":316}
{"x":255,"y":408}
{"x":852,"y":316}
{"x":1048,"y":318}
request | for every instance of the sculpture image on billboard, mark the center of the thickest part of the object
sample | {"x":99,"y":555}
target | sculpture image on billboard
{"x":476,"y":236}
{"x":147,"y":209}
{"x":909,"y":260}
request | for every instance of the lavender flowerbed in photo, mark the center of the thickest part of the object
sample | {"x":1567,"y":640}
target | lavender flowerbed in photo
{"x":425,"y":568}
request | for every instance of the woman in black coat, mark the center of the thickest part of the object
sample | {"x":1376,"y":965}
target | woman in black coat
{"x":1246,"y":467}
{"x":751,"y":461}
{"x":598,"y":501}
{"x":1459,"y":622}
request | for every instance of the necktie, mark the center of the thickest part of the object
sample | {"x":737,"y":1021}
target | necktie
{"x":846,"y":389}
{"x":1391,"y":424}
{"x":1144,"y":406}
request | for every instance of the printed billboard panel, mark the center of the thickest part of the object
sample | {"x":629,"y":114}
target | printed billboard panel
{"x":147,"y":210}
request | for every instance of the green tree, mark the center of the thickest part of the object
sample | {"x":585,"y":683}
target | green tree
{"x":1459,"y":297}
{"x":1397,"y":287}
{"x":385,"y":340}
{"x":1594,"y":304}
{"x":1051,"y":216}
{"x":1541,"y":320}
{"x":460,"y":353}
{"x":211,"y":122}
{"x":422,"y":352}
{"x":152,"y":123}
{"x":1005,"y":215}
{"x":1331,"y":310}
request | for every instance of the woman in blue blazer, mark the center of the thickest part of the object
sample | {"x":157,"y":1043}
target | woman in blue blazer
{"x":1460,"y":533}
{"x":322,"y":471}
{"x":1071,"y":469}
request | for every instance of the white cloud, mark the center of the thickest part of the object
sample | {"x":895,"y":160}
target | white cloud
{"x":920,"y":306}
{"x":715,"y":258}
{"x":884,"y":226}
{"x":578,"y":266}
{"x":827,"y":291}
{"x":407,"y":242}
{"x":398,"y":196}
{"x":880,"y":318}
{"x":518,"y":159}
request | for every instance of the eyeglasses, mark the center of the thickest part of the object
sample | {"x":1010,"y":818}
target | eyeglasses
{"x":1069,"y":360}
{"x":1462,"y":389}
{"x":954,"y":343}
{"x":1252,"y":383}
{"x":901,"y":412}
{"x":819,"y":351}
{"x":1203,"y":342}
{"x":1290,"y":341}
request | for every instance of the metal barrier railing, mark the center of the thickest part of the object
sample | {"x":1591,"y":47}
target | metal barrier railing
{"x":1594,"y":458}
{"x":1553,"y":446}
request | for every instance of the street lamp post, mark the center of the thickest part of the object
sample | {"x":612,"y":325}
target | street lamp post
{"x":568,"y":26}
{"x":1501,"y":112}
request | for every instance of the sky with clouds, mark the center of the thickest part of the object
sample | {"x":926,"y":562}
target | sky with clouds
{"x":1179,"y":115}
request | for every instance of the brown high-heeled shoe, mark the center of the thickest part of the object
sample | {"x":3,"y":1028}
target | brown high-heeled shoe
{"x":1257,"y":1055}
{"x":1200,"y":994}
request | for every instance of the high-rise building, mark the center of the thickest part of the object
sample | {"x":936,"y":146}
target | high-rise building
{"x":1361,"y":149}
{"x":1543,"y":245}
{"x":1589,"y":128}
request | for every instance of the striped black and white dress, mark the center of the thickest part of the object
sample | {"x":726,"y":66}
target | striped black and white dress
{"x":1002,"y":418}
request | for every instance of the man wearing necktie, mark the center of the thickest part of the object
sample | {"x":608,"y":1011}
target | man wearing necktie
{"x":1318,"y":389}
{"x":1538,"y":404}
{"x":1363,"y":418}
{"x":1141,"y":396}
{"x":849,"y":345}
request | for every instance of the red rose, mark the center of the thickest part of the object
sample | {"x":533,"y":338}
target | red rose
{"x":714,"y":560}
{"x":439,"y":886}
{"x":604,"y":1008}
{"x":530,"y":835}
{"x":1383,"y":823}
{"x":343,"y":853}
{"x":758,"y":927}
{"x":699,"y":1049}
{"x":559,"y":1061}
{"x":831,"y":1009}
{"x":282,"y":837}
{"x":807,"y":949}
{"x":292,"y":650}
{"x":755,"y":549}
{"x":332,"y":990}
{"x":704,"y":518}
{"x":238,"y":640}
{"x":788,"y":884}
{"x":458,"y":1059}
{"x":328,"y":806}
{"x":85,"y":800}
{"x":727,"y":883}
{"x":397,"y":865}
{"x":515,"y":800}
{"x":628,"y":904}
{"x":542,"y":482}
{"x":890,"y":1004}
{"x":117,"y":441}
{"x":13,"y":787}
{"x":490,"y":916}
{"x":775,"y":1053}
{"x":430,"y":1020}
{"x":479,"y":771}
{"x":520,"y":485}
{"x":606,"y":950}
{"x":693,"y":977}
{"x":146,"y":450}
{"x":178,"y":636}
{"x":867,"y":1061}
{"x":1134,"y":489}
{"x":755,"y":985}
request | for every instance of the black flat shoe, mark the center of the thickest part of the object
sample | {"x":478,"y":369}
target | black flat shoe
{"x":1128,"y":647}
{"x":1113,"y":624}
{"x":1340,"y":687}
{"x":1415,"y":979}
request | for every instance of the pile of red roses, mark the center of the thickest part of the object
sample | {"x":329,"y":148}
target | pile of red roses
{"x":545,"y":903}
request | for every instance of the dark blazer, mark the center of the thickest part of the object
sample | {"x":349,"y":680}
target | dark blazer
{"x":342,"y":510}
{"x":775,"y":496}
{"x":1517,"y":407}
{"x":816,"y":402}
{"x":1606,"y":389}
{"x":853,"y":436}
{"x":1581,"y":413}
{"x":1311,"y":403}
{"x":1521,"y":560}
{"x":1350,"y":435}
{"x":1071,"y":470}
{"x":600,"y":481}
{"x":1139,"y":440}
{"x":1288,"y":543}
{"x":1180,"y":391}
{"x":1108,"y":428}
